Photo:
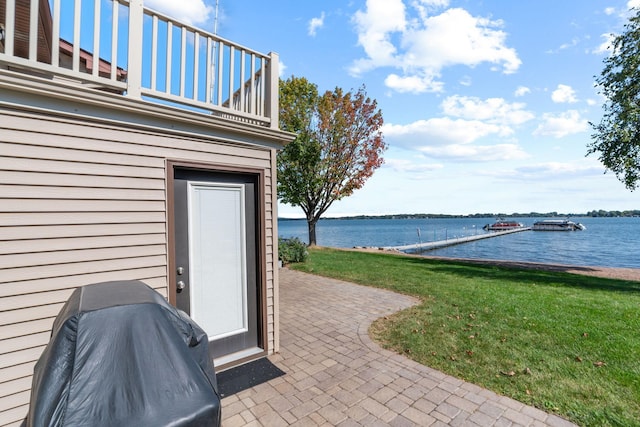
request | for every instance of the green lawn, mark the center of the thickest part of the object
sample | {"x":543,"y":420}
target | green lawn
{"x":565,"y":343}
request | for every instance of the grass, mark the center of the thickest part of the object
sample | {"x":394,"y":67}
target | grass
{"x":564,"y":343}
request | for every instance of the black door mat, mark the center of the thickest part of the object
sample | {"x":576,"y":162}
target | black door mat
{"x":245,"y":376}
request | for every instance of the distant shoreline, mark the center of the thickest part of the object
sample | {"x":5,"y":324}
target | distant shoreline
{"x":592,"y":214}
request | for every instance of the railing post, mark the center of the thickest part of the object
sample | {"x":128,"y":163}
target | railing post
{"x":134,"y":71}
{"x":273,"y":85}
{"x":9,"y":27}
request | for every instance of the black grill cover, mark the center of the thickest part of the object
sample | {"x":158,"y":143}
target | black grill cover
{"x":120,"y":355}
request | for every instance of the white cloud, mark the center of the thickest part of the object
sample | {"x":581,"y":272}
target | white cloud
{"x":564,"y":94}
{"x":633,"y":3}
{"x":479,"y":153}
{"x":492,"y":110}
{"x":436,"y":3}
{"x":316,"y":23}
{"x":281,"y":69}
{"x":605,"y":45}
{"x":574,"y":42}
{"x":456,"y":136}
{"x":412,"y":84}
{"x":560,"y":125}
{"x":556,"y":170}
{"x":374,"y":27}
{"x":422,"y":47}
{"x":522,"y":91}
{"x":441,"y":131}
{"x":420,"y":169}
{"x":425,"y":7}
{"x":609,"y":10}
{"x":549,"y":171}
{"x":192,"y":12}
{"x":466,"y":81}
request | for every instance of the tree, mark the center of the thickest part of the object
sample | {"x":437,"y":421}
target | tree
{"x":617,"y":136}
{"x":338,"y":146}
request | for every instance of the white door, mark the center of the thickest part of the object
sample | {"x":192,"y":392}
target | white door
{"x":217,"y":284}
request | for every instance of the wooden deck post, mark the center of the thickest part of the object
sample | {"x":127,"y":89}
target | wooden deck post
{"x":273,"y":88}
{"x":134,"y":71}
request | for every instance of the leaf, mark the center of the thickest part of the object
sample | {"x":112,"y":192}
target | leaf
{"x":578,"y":359}
{"x":599,"y":364}
{"x":527,"y":371}
{"x":470,"y":353}
{"x":508,"y":374}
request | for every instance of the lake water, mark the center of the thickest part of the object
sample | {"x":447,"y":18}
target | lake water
{"x":607,"y":242}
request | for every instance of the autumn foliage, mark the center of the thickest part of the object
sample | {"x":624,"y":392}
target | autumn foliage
{"x":338,"y":146}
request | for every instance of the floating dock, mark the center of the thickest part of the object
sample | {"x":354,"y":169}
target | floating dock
{"x":427,"y":246}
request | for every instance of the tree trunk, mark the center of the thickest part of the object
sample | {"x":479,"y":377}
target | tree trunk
{"x":311,"y":223}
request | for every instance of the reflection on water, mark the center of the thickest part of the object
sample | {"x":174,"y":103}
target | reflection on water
{"x":607,"y":242}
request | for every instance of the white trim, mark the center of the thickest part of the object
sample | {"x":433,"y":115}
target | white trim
{"x":243,"y":354}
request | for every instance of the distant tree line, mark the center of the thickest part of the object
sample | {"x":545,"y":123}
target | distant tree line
{"x":614,"y":213}
{"x":594,"y":213}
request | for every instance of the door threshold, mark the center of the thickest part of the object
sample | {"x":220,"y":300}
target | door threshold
{"x":237,"y":358}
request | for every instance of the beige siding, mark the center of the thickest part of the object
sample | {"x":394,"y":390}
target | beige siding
{"x":81,"y":203}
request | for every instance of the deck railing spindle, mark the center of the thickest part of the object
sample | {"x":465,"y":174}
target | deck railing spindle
{"x":33,"y":30}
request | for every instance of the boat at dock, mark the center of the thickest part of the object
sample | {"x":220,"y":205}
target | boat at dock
{"x":557,"y":225}
{"x":502,"y":225}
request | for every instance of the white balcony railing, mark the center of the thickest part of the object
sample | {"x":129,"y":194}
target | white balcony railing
{"x":122,"y":47}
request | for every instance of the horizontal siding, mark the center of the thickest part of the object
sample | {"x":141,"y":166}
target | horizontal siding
{"x":117,"y":266}
{"x":13,"y":417}
{"x":10,"y":317}
{"x":16,"y":261}
{"x":48,"y":193}
{"x":14,"y":400}
{"x":62,"y":204}
{"x":131,"y":153}
{"x":16,"y":371}
{"x":152,"y":276}
{"x":67,"y":178}
{"x":110,"y":231}
{"x":19,"y":358}
{"x":83,"y":203}
{"x":10,"y":387}
{"x":26,"y":341}
{"x":73,"y":218}
{"x":69,"y":243}
{"x":130,"y":142}
{"x":23,"y":151}
{"x":24,"y":328}
{"x":85,"y":170}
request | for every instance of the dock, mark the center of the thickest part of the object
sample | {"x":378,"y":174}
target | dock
{"x":427,"y":246}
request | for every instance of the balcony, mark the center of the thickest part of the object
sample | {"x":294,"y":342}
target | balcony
{"x":122,"y":47}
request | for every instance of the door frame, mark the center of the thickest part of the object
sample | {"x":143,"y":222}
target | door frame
{"x":261,"y":256}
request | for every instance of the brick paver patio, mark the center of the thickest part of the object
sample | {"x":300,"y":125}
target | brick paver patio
{"x":336,"y":376}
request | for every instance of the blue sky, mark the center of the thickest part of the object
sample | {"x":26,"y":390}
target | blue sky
{"x":486,"y":103}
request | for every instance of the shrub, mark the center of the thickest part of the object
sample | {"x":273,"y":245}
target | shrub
{"x":292,"y":250}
